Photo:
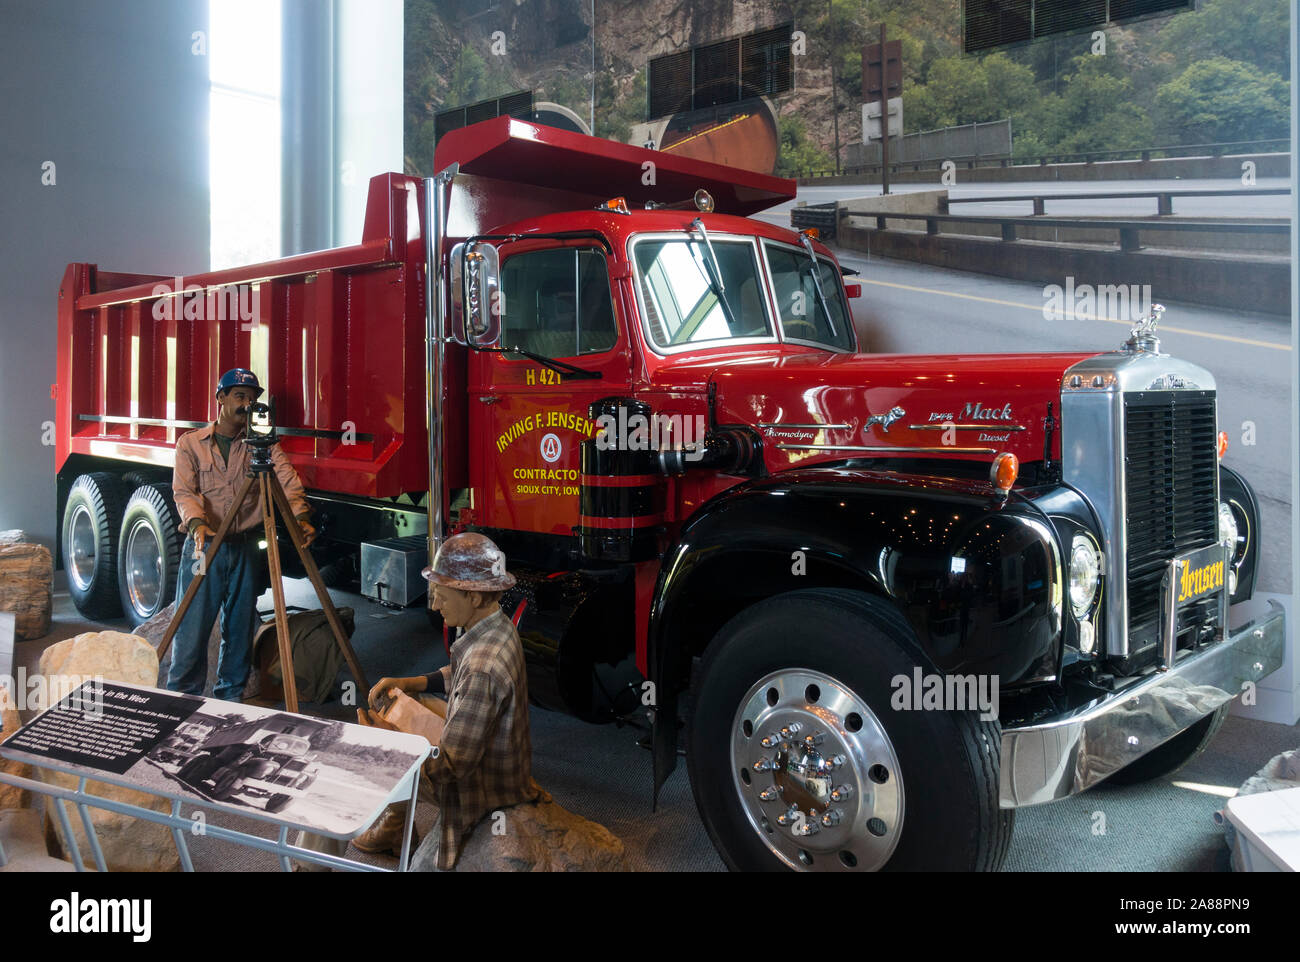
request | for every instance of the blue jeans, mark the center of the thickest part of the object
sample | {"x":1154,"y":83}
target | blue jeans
{"x":230,"y":589}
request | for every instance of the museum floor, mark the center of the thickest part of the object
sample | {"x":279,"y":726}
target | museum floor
{"x":599,"y":772}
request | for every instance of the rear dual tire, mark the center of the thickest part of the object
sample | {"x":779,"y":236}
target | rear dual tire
{"x":149,"y":551}
{"x":121,"y":547}
{"x":92,"y":519}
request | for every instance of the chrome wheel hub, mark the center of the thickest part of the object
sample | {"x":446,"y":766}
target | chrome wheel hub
{"x":83,"y":547}
{"x":144,"y":568}
{"x":816,"y":773}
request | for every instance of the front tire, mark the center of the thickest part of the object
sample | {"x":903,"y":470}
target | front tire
{"x":886,"y":789}
{"x":149,"y":550}
{"x":92,"y":518}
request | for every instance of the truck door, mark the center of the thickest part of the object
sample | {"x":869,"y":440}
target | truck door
{"x":527,"y":421}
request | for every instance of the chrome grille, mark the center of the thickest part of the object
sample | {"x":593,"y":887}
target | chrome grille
{"x":1170,"y":472}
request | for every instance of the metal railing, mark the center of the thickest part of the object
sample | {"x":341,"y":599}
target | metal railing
{"x":1278,"y":145}
{"x":1128,"y":232}
{"x":1164,"y":198}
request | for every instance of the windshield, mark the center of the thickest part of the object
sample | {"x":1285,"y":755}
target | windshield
{"x":679,"y":298}
{"x":802,"y":316}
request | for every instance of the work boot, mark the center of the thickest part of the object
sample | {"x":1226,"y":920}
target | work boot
{"x":385,"y":836}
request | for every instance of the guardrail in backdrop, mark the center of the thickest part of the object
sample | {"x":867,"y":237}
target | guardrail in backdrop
{"x":1127,"y":232}
{"x":1086,"y":157}
{"x":1164,"y":198}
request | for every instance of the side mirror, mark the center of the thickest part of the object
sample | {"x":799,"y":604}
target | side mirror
{"x":476,"y":294}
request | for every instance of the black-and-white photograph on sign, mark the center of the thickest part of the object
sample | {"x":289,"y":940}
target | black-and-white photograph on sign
{"x":320,"y":774}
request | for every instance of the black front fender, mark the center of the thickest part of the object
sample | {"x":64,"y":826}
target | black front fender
{"x":978,"y":581}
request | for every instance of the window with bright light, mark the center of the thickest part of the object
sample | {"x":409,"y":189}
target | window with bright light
{"x":244,"y":131}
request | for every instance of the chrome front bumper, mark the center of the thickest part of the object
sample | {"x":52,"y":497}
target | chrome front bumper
{"x":1053,"y":759}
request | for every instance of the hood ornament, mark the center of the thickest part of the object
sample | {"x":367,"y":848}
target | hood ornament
{"x":1143,"y":336}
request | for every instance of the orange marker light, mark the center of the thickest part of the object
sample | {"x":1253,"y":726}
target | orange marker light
{"x":1005,"y":470}
{"x":616,"y":204}
{"x":1223,"y":444}
{"x":812,"y":232}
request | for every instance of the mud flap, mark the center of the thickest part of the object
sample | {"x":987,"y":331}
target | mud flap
{"x":664,"y":742}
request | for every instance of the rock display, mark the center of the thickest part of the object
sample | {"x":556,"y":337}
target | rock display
{"x":1282,"y":771}
{"x":532,"y":837}
{"x":11,"y":797}
{"x":20,"y":834}
{"x":129,"y":844}
{"x":26,"y":584}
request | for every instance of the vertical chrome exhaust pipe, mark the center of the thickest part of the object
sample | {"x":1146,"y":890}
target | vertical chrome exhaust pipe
{"x":435,"y":220}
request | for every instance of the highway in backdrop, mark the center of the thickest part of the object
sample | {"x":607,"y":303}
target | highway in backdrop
{"x":1268,"y":205}
{"x":913,"y":308}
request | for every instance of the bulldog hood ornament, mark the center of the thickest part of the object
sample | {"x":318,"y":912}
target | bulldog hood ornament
{"x":1143,"y":336}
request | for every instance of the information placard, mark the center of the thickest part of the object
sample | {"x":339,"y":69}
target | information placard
{"x":322,"y":775}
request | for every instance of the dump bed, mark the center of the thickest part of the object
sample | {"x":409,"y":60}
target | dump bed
{"x":336,"y":336}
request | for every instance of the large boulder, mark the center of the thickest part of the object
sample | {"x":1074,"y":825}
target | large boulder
{"x":533,"y":837}
{"x":1281,"y":772}
{"x":26,"y":584}
{"x":20,"y":834}
{"x":11,"y":797}
{"x":129,"y":844}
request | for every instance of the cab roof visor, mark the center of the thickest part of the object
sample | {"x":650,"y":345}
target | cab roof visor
{"x":534,"y":155}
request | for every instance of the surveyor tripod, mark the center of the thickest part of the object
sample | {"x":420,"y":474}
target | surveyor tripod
{"x":271,"y":496}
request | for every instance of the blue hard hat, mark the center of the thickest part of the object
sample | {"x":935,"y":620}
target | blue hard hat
{"x":239,"y":377}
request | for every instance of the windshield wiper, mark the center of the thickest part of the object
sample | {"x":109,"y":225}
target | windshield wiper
{"x":715,"y":281}
{"x":559,"y":367}
{"x":817,"y":283}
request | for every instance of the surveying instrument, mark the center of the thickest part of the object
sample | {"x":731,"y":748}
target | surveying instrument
{"x":261,"y":436}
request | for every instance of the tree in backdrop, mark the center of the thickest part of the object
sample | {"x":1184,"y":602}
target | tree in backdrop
{"x":798,"y":153}
{"x":1221,"y":100}
{"x":1254,"y":32}
{"x":617,"y":112}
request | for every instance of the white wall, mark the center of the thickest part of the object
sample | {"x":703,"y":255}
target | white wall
{"x":112,"y":94}
{"x":343,"y":115}
{"x":367,"y":105}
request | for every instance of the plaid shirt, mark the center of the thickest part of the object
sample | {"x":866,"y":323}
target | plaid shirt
{"x":484,"y":760}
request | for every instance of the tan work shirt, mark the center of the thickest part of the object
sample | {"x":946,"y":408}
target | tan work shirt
{"x":484,"y":759}
{"x":204,"y":486}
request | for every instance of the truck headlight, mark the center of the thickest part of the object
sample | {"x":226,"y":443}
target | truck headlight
{"x":1227,"y":528}
{"x":1085,"y":574}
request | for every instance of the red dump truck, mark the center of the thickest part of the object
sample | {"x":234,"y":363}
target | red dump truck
{"x":880,"y":601}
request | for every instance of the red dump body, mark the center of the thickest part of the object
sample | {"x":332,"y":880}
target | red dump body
{"x":336,"y":336}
